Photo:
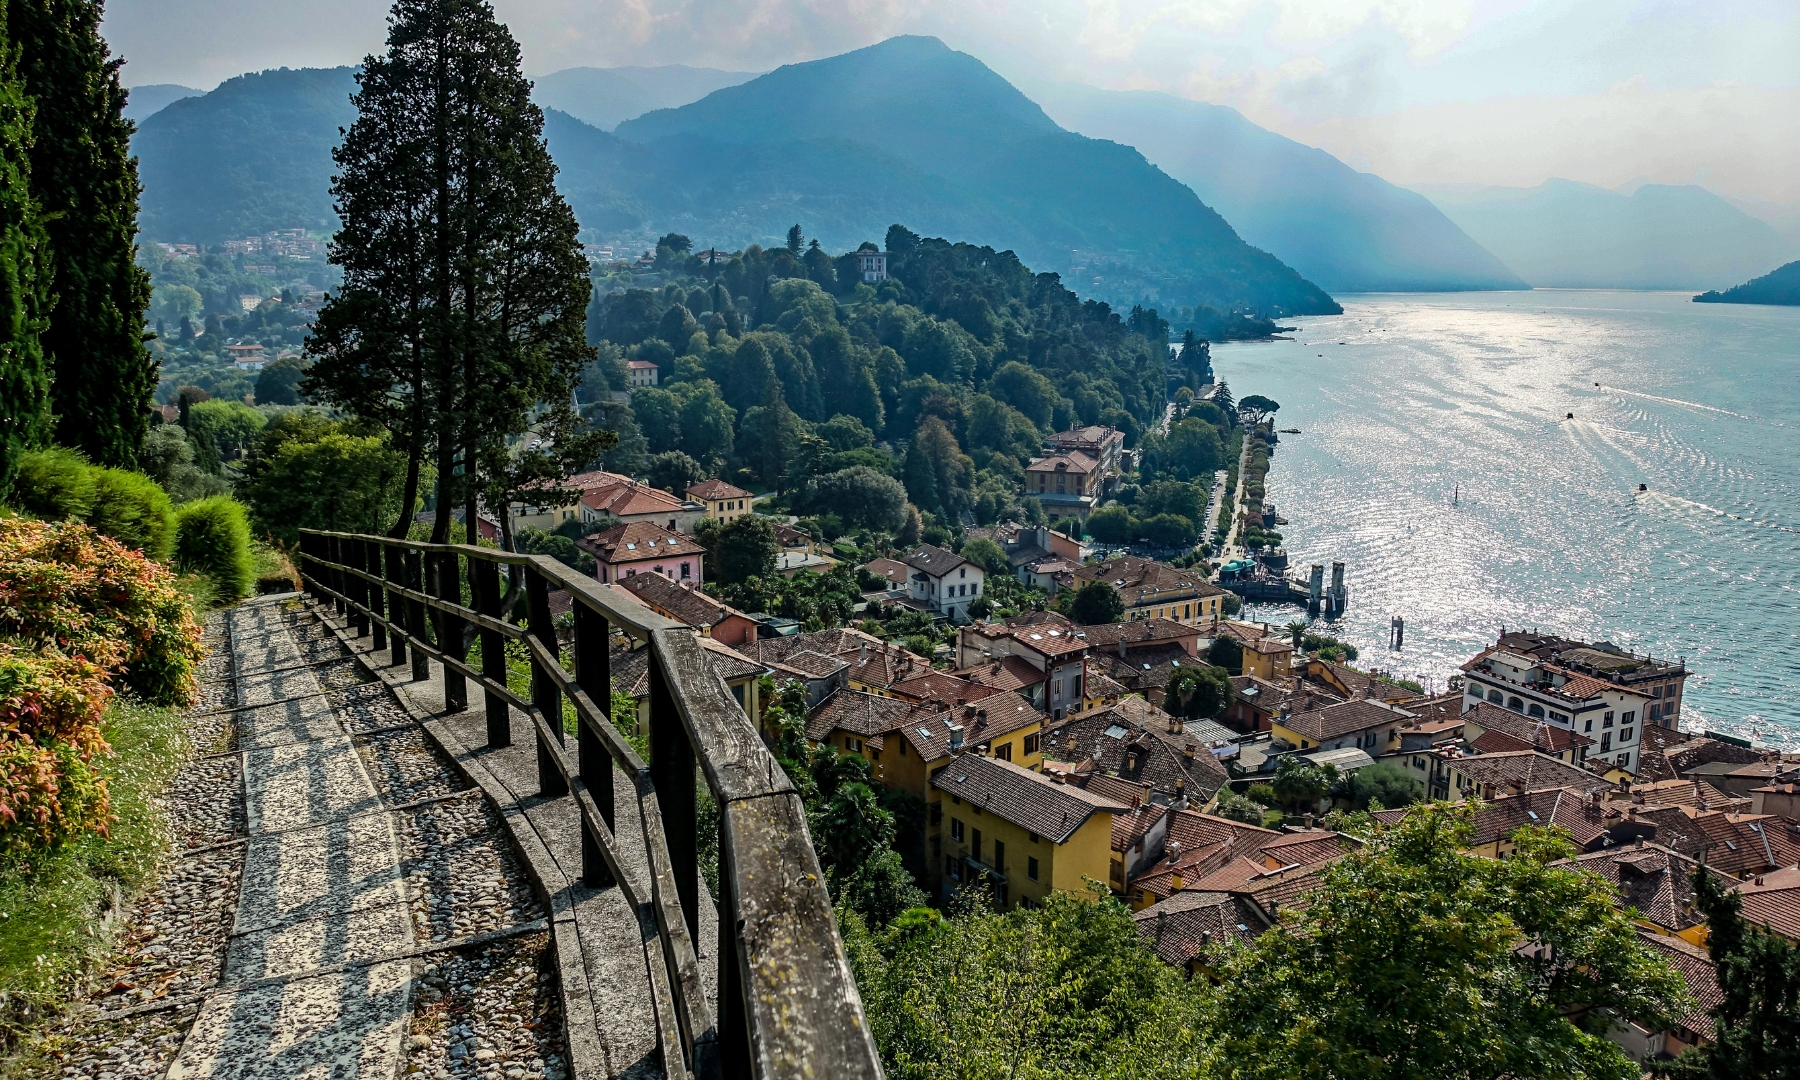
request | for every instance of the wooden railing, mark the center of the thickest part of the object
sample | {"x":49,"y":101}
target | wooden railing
{"x":788,"y":1006}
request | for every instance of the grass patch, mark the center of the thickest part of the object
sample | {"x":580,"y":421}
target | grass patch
{"x":58,"y":908}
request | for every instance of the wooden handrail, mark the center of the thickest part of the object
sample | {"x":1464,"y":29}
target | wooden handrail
{"x":788,"y":1005}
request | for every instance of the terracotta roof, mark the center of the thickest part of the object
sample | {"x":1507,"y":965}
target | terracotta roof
{"x":1697,"y":970}
{"x":1146,"y":581}
{"x":889,"y":569}
{"x":1021,"y":796}
{"x":1004,"y":673}
{"x":1101,"y":685}
{"x":1734,"y":843}
{"x":1772,"y":900}
{"x":982,"y":722}
{"x":1696,"y":793}
{"x":1193,"y":828}
{"x":1523,"y":732}
{"x":814,"y":665}
{"x":1656,"y":881}
{"x":1128,"y":829}
{"x":934,"y":561}
{"x":1535,"y":771}
{"x":728,"y":662}
{"x":714,"y":490}
{"x":1093,"y":434}
{"x":691,"y":606}
{"x":1075,"y":463}
{"x":638,"y":540}
{"x":1357,"y":714}
{"x":1196,"y":925}
{"x":1270,"y":696}
{"x":855,"y":712}
{"x":1147,"y":667}
{"x":941,"y":686}
{"x":1135,"y":631}
{"x":631,"y":667}
{"x":1133,"y":741}
{"x":1362,"y":684}
{"x":884,"y":665}
{"x":1570,"y":808}
{"x":630,"y":499}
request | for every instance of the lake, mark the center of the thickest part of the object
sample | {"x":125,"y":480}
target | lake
{"x":1438,"y":462}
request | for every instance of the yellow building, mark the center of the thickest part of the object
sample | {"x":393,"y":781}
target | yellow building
{"x":1363,"y":723}
{"x":905,"y":741}
{"x":1020,"y":832}
{"x":723,"y":502}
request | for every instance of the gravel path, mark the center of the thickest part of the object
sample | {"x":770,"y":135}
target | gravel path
{"x":330,"y":869}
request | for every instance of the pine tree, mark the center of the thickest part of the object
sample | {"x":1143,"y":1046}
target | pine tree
{"x":796,"y":241}
{"x":465,"y":291}
{"x":85,"y":179}
{"x":24,"y":276}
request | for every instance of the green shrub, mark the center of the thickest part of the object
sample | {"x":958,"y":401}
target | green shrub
{"x":71,"y":590}
{"x":212,"y":537}
{"x":274,"y":570}
{"x":50,"y":708}
{"x":54,"y":484}
{"x":134,"y":510}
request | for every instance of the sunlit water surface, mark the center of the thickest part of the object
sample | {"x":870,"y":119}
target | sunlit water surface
{"x":1405,"y":401}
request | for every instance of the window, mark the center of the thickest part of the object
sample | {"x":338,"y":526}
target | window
{"x":1000,"y":856}
{"x":1493,"y":696}
{"x":1003,"y":752}
{"x":1589,"y":725}
{"x":1031,"y":744}
{"x":1628,"y":717}
{"x":1031,"y":869}
{"x":1605,"y":741}
{"x":1625,"y":736}
{"x":1536,"y":710}
{"x":1607,"y":721}
{"x":1034,"y":838}
{"x":964,"y":572}
{"x":686,"y":571}
{"x":1624,"y":761}
{"x":956,"y":832}
{"x":952,"y":868}
{"x":975,"y":843}
{"x":631,"y":573}
{"x":937,"y":813}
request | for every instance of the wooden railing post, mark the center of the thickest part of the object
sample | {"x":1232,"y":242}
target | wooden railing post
{"x":354,"y":586}
{"x":333,"y":575}
{"x":371,"y":563}
{"x":448,"y":587}
{"x":396,"y":575}
{"x":415,"y":615}
{"x":672,"y":771}
{"x":484,"y":582}
{"x":544,"y":692}
{"x":735,"y":1054}
{"x":593,"y":673}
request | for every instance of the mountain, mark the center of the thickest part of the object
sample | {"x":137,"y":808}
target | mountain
{"x":1014,"y":179}
{"x":147,"y":100}
{"x":1778,"y":286}
{"x":1346,"y":230}
{"x":1564,"y":234}
{"x":253,"y":155}
{"x":605,"y":96}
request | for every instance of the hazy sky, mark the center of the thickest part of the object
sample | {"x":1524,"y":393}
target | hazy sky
{"x":1419,"y":91}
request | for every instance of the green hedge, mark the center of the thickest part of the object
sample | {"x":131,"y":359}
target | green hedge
{"x":213,"y":538}
{"x":54,"y":484}
{"x":134,"y":510}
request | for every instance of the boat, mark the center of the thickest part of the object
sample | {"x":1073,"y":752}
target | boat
{"x":1289,"y":430}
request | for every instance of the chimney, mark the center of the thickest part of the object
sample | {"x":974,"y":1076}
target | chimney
{"x":1173,"y":850}
{"x":1121,"y":645}
{"x":956,"y":737}
{"x":1308,"y":819}
{"x":1180,"y":792}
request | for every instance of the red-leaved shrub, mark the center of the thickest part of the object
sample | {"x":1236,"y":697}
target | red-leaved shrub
{"x":50,"y":709}
{"x":67,"y":589}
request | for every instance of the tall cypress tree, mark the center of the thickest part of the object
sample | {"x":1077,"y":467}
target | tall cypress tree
{"x":85,"y":178}
{"x":24,"y":279}
{"x":465,"y":292}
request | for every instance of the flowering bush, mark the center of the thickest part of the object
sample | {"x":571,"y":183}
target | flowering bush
{"x":50,"y":709}
{"x":67,"y":589}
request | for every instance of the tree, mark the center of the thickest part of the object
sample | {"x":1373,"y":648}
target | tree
{"x":1259,"y":408}
{"x":675,"y":471}
{"x":309,"y":471}
{"x":676,"y":242}
{"x":1096,"y":603}
{"x":1756,"y":1025}
{"x":279,"y":383}
{"x":1226,"y":652}
{"x":1301,"y":785}
{"x":85,"y":180}
{"x":1026,"y":391}
{"x":1200,"y":693}
{"x":861,"y":496}
{"x":739,"y":549}
{"x":658,"y":413}
{"x":1415,"y":961}
{"x":1112,"y":525}
{"x":465,"y":290}
{"x":1381,"y":786}
{"x":1169,"y":531}
{"x":1192,"y":449}
{"x":705,"y":422}
{"x":936,"y":471}
{"x":796,"y":241}
{"x":988,"y":555}
{"x":25,"y":279}
{"x":1235,"y":807}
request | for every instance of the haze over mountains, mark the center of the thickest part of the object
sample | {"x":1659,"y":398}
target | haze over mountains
{"x":1564,"y":234}
{"x":1348,"y":231}
{"x":604,"y":97}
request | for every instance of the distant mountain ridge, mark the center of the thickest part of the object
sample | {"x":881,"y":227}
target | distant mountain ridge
{"x":1565,"y":234}
{"x":1349,"y":231}
{"x":604,"y":97}
{"x":148,"y":100}
{"x":906,"y":131}
{"x":1779,"y":286}
{"x":1021,"y":181}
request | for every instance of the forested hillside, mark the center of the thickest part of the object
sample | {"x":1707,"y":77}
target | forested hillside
{"x":1778,"y":286}
{"x":947,"y":376}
